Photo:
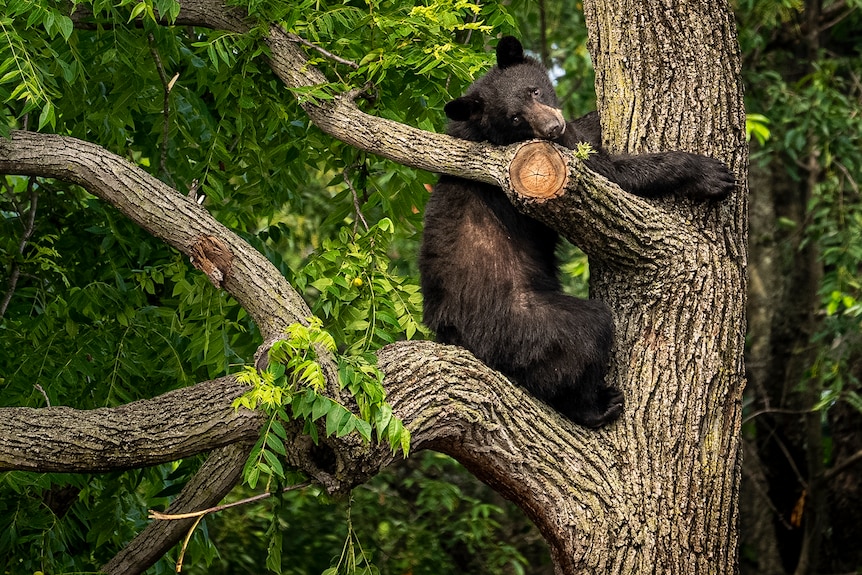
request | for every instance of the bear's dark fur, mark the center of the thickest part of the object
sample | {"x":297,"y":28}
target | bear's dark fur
{"x":490,"y":275}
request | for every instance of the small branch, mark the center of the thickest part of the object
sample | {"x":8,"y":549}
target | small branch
{"x":213,"y":481}
{"x":41,"y":390}
{"x":848,"y":175}
{"x":775,"y":410}
{"x":322,"y":51}
{"x":166,"y":108}
{"x":356,"y":206}
{"x":201,"y":514}
{"x":828,"y":13}
{"x":29,"y":226}
{"x":260,"y":497}
{"x":838,"y":469}
{"x":188,"y":538}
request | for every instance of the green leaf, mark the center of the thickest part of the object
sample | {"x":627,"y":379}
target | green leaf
{"x":276,"y":369}
{"x":275,"y":444}
{"x":405,"y":441}
{"x":274,"y":463}
{"x":64,"y":23}
{"x":348,"y":423}
{"x":321,"y":407}
{"x":855,"y":400}
{"x":139,"y":9}
{"x":364,"y":428}
{"x":47,"y":116}
{"x":252,"y":477}
{"x":383,"y":418}
{"x":274,"y":550}
{"x":277,"y":428}
{"x":333,"y":417}
{"x":213,"y":55}
{"x":222,"y":51}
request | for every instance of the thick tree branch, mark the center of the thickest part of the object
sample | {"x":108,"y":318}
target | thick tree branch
{"x":449,"y":400}
{"x":168,"y":215}
{"x":588,"y":211}
{"x":452,"y":403}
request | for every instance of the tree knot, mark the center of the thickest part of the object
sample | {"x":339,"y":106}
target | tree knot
{"x":210,"y":255}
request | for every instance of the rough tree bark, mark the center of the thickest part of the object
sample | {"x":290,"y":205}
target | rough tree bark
{"x":655,"y":492}
{"x":668,"y":78}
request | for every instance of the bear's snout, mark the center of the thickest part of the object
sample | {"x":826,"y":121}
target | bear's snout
{"x":547,"y":122}
{"x":555,"y":130}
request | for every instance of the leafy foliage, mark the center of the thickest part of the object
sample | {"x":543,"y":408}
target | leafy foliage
{"x":362,"y":300}
{"x":802,"y":67}
{"x":353,"y":559}
{"x":426,"y":516}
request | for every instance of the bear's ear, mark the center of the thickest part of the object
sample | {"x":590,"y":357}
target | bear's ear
{"x":509,"y":52}
{"x":464,"y":109}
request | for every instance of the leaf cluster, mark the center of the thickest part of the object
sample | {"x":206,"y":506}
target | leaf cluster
{"x":425,"y":515}
{"x":101,"y":315}
{"x":354,"y":288}
{"x":70,"y":523}
{"x":295,"y":380}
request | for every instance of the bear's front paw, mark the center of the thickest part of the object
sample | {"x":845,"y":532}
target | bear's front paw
{"x":714,"y":182}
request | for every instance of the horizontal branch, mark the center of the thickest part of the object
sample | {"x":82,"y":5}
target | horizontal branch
{"x":177,"y":424}
{"x":586,"y":210}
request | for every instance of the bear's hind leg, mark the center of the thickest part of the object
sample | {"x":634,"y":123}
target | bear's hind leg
{"x":591,"y":402}
{"x":564,"y":358}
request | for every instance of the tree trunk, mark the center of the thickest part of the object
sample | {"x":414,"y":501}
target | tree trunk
{"x":668,"y":78}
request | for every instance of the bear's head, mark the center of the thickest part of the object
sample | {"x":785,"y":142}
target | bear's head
{"x":513,"y":102}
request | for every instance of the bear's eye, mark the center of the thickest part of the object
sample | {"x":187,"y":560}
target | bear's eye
{"x":516,"y":120}
{"x":536,"y":92}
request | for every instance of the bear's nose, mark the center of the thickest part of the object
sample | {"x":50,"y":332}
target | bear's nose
{"x":554,"y":129}
{"x":547,"y":122}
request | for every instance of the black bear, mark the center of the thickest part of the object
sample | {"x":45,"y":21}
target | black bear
{"x":489,"y":274}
